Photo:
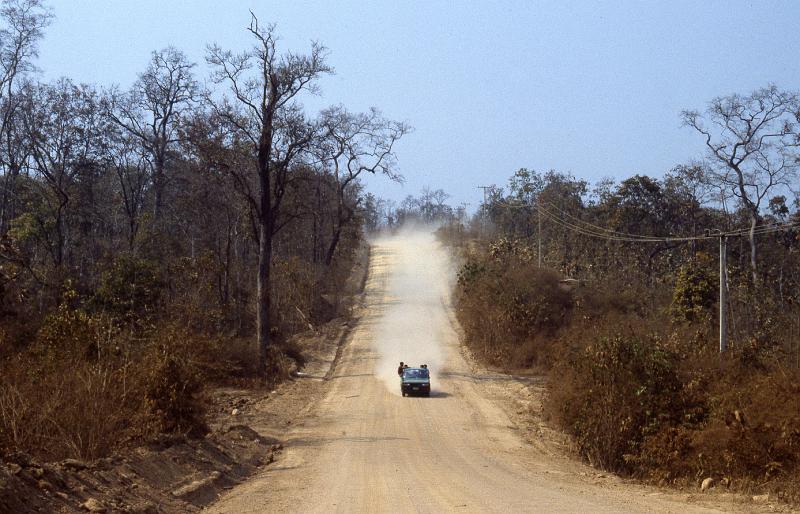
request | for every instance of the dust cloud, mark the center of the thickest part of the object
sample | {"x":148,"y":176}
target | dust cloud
{"x":414,"y":322}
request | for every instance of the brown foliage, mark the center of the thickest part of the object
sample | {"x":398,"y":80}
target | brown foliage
{"x":509,"y":309}
{"x":128,"y":255}
{"x":751,"y":434}
{"x":639,"y":393}
{"x":613,"y":394}
{"x":57,"y":403}
{"x":79,"y":411}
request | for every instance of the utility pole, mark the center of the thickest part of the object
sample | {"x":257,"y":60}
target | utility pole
{"x":539,"y":232}
{"x":723,"y":295}
{"x":483,"y":208}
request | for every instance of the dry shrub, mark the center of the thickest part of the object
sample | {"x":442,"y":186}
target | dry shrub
{"x":295,"y":285}
{"x":77,"y":392}
{"x":509,"y":309}
{"x":130,"y":289}
{"x":75,"y":410}
{"x":614,"y":393}
{"x":667,"y":409}
{"x":760,"y":419}
{"x":15,"y":332}
{"x":194,"y":301}
{"x":91,"y":381}
{"x":240,"y":358}
{"x":751,"y":434}
{"x":605,"y":300}
{"x":70,"y":393}
{"x":237,"y":362}
{"x":173,"y":396}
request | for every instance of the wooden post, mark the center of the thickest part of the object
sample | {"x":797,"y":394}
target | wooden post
{"x":539,"y":233}
{"x":723,"y":295}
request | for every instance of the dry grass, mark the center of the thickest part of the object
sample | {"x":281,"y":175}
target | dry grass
{"x":55,"y":402}
{"x":76,"y":411}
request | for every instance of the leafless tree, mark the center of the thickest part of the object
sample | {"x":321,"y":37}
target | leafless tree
{"x":264,"y":112}
{"x":436,"y":202}
{"x":66,"y":135}
{"x":24,"y":22}
{"x":753,"y":139}
{"x":151,"y":112}
{"x":132,"y":170}
{"x":353,"y":144}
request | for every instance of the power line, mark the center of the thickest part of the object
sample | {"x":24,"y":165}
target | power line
{"x":598,"y":229}
{"x":588,"y":229}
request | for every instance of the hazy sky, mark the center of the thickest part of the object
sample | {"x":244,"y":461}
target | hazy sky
{"x":593,"y":88}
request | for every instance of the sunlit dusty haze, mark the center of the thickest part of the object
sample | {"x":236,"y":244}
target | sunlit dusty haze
{"x":413,"y":318}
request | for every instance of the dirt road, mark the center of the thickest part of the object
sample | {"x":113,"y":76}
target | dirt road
{"x":364,"y":448}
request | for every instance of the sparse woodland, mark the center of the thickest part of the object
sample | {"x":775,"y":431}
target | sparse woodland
{"x":613,"y":289}
{"x":161,"y":237}
{"x":157,"y":238}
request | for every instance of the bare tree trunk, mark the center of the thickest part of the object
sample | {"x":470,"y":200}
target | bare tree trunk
{"x":344,"y":215}
{"x":332,"y":247}
{"x":752,"y":238}
{"x":265,"y":231}
{"x":317,"y":228}
{"x":61,"y":235}
{"x":158,"y":190}
{"x":133,"y":229}
{"x":239,"y":257}
{"x":263,"y":300}
{"x":226,"y":275}
{"x":8,"y":200}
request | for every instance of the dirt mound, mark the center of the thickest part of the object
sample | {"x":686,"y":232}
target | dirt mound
{"x":172,"y":474}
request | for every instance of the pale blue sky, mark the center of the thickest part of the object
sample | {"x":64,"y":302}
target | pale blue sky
{"x":593,"y":88}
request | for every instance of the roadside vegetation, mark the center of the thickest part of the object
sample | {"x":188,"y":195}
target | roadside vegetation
{"x":153,"y":240}
{"x":627,"y":327}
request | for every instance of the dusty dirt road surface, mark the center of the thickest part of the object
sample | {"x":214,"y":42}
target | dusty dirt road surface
{"x":365,"y":448}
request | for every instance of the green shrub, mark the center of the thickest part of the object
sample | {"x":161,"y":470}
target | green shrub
{"x":74,"y":333}
{"x":696,"y":290}
{"x":131,"y":290}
